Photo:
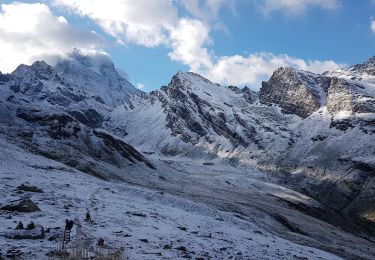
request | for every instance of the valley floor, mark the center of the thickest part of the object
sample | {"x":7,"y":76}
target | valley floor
{"x":212,"y":213}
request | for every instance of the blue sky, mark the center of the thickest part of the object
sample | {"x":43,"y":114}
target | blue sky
{"x":236,"y":42}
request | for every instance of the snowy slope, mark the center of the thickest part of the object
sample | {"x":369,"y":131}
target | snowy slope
{"x":125,"y":214}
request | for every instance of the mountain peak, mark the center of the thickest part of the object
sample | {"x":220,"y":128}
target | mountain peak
{"x":189,"y":79}
{"x":192,"y":75}
{"x":97,"y":75}
{"x":370,"y":61}
{"x":39,"y":68}
{"x":40,"y":65}
{"x":367,"y":67}
{"x":98,"y":63}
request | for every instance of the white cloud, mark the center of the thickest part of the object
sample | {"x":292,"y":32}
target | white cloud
{"x":372,"y":26}
{"x":143,"y":22}
{"x":251,"y":70}
{"x":157,"y":22}
{"x":30,"y":32}
{"x":295,"y":7}
{"x":187,"y":41}
{"x":140,"y":85}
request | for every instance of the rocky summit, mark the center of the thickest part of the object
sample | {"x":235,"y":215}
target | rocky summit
{"x":193,"y":168}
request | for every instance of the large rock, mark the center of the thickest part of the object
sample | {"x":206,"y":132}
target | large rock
{"x":24,"y":187}
{"x":24,"y":205}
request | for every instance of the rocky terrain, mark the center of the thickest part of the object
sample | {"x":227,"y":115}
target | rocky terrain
{"x":294,"y":161}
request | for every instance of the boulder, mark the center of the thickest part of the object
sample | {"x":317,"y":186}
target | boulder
{"x":24,"y":187}
{"x":24,"y":205}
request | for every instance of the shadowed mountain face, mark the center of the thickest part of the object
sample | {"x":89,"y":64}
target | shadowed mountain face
{"x":314,"y":133}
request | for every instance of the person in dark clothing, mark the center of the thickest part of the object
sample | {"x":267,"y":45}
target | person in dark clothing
{"x":88,"y":217}
{"x":68,"y":224}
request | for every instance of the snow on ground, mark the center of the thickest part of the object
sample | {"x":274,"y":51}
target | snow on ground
{"x":125,"y":214}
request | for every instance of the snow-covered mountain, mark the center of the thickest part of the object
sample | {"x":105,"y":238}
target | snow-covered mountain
{"x":303,"y":135}
{"x":96,"y":75}
{"x":45,"y":112}
{"x":317,"y":130}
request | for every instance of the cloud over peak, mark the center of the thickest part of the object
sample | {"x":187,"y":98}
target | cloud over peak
{"x":30,"y":32}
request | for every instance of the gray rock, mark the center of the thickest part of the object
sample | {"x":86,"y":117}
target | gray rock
{"x":24,"y":187}
{"x":24,"y":205}
{"x":296,"y":92}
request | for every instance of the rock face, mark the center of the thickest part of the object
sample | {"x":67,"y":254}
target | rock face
{"x":189,"y":110}
{"x":349,"y":96}
{"x":296,"y":92}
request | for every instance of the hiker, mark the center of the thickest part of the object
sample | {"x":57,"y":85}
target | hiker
{"x":71,"y":223}
{"x":101,"y":242}
{"x":68,"y":224}
{"x":88,"y":217}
